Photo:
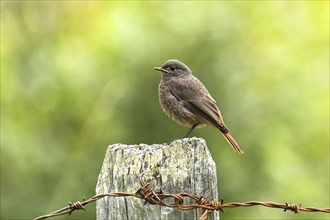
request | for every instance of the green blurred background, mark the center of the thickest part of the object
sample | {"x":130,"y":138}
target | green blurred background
{"x":77,"y":76}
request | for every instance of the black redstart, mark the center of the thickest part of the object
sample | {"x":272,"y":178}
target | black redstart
{"x":186,"y":100}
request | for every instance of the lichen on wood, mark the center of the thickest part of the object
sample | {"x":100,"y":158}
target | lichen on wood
{"x":180,"y":166}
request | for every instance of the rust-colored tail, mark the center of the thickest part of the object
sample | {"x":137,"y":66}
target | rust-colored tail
{"x":233,"y":143}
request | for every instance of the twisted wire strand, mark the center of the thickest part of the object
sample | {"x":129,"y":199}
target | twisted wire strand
{"x":146,"y":193}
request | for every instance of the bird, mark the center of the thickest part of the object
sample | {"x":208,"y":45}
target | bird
{"x":185,"y":99}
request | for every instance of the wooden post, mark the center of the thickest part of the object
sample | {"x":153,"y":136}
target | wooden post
{"x":181,"y":166}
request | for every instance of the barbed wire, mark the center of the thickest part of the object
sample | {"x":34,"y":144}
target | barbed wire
{"x":146,"y":193}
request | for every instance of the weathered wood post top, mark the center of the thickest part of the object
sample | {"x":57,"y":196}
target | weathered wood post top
{"x":180,"y":166}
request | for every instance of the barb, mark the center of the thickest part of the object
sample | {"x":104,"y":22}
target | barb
{"x":146,"y":193}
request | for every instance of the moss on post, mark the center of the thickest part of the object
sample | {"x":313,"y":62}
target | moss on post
{"x":181,"y":166}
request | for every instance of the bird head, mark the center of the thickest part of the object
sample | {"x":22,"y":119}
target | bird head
{"x":173,"y":68}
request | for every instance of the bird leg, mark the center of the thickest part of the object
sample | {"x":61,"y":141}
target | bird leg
{"x":189,"y":131}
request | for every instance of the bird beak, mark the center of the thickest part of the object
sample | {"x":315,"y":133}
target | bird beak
{"x":161,"y":69}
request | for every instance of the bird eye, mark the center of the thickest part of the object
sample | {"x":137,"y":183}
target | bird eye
{"x":172,"y":68}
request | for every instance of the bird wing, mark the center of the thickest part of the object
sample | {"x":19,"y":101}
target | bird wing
{"x":197,"y":100}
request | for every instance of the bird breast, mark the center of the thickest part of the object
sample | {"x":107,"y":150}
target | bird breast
{"x":174,"y":107}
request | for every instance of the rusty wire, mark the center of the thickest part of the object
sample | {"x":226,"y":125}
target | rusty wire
{"x":146,"y":193}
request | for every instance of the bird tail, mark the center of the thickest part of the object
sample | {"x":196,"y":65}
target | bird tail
{"x":233,"y":143}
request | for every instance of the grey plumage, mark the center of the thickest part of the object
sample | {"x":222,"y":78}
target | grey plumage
{"x":186,"y":100}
